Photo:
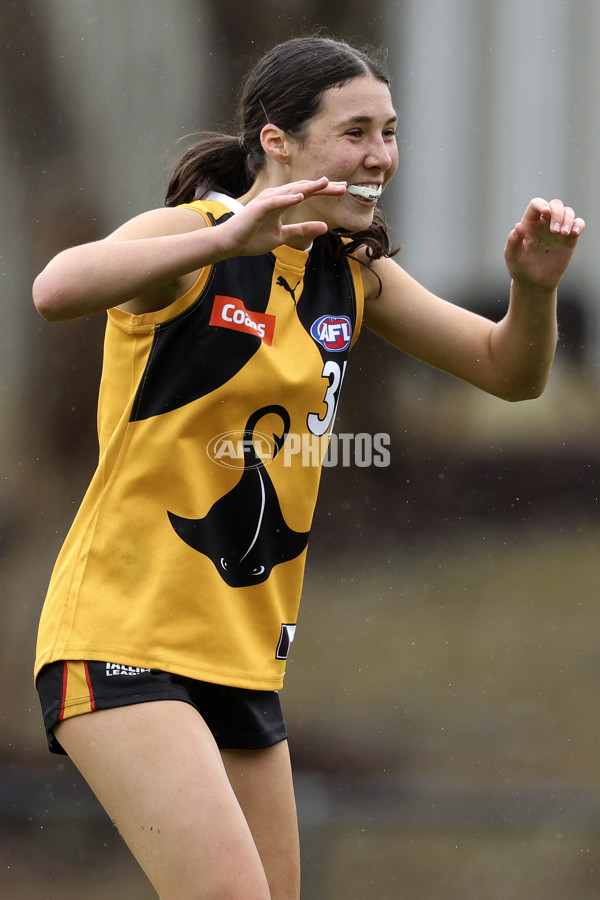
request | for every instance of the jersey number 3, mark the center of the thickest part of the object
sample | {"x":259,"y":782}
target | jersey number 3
{"x":335,"y":373}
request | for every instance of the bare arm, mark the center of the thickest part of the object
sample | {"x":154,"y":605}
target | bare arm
{"x":148,"y":262}
{"x":512,"y":358}
{"x":142,"y":266}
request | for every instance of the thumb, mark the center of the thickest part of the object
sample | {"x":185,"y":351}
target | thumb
{"x":300,"y":234}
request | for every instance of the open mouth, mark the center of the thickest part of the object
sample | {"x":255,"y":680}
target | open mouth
{"x":365,"y":192}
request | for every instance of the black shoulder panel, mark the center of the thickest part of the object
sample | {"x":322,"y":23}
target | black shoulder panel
{"x":328,"y":296}
{"x":189,"y":356}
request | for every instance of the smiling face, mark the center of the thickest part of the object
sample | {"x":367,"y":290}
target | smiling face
{"x":352,"y":138}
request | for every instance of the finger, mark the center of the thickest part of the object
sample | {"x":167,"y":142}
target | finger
{"x":559,"y":217}
{"x":334,"y":188}
{"x":270,"y":202}
{"x":292,"y":192}
{"x":571,"y":224}
{"x":296,"y":191}
{"x":514,"y":242}
{"x":303,"y":231}
{"x":568,"y":220}
{"x":310,"y":183}
{"x":303,"y":186}
{"x":519,"y":232}
{"x":321,"y":186}
{"x":538,"y":208}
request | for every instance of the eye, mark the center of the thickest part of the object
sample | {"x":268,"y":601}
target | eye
{"x":356,"y":132}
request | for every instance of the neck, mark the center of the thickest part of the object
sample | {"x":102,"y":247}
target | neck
{"x":259,"y":185}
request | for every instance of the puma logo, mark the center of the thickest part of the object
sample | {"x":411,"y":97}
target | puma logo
{"x":291,"y":291}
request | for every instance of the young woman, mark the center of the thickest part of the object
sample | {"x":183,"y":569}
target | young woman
{"x":230,"y":316}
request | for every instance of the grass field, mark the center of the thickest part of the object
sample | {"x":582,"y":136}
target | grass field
{"x":475,"y":659}
{"x":469,"y":669}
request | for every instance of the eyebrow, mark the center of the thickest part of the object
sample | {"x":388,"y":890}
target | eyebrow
{"x":365,"y":120}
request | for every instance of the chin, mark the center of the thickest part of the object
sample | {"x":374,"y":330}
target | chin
{"x":354,"y":224}
{"x":346,"y":215}
{"x":355,"y":221}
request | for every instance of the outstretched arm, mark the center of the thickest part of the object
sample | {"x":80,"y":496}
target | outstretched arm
{"x":512,"y":358}
{"x":151,"y":260}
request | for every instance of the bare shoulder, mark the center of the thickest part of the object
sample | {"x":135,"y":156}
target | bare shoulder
{"x":165,"y":220}
{"x":397,"y":305}
{"x":155,"y":223}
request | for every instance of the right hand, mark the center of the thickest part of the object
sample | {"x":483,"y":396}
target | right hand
{"x":259,"y":228}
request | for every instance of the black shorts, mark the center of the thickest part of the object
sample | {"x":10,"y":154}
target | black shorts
{"x":238,"y":718}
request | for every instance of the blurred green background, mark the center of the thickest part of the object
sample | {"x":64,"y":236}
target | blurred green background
{"x":442,"y":696}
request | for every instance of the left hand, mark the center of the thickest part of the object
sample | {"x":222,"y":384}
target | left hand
{"x":539,"y":248}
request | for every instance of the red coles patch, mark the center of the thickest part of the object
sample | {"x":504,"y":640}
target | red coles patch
{"x":229,"y":312}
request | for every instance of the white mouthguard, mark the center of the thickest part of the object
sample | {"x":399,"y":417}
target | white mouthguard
{"x":367,"y":193}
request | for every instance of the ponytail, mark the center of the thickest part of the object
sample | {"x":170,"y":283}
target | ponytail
{"x":215,"y":162}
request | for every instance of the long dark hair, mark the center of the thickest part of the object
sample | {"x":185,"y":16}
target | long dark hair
{"x":285,"y":88}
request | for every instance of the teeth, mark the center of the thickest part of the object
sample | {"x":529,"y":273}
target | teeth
{"x":367,"y":193}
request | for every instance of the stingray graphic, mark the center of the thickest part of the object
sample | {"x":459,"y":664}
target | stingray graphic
{"x":244,"y":533}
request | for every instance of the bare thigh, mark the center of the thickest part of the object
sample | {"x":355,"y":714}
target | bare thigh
{"x":157,"y":771}
{"x":262,"y":780}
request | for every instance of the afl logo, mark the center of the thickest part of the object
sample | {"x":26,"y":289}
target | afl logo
{"x":234,"y":449}
{"x":332,"y":332}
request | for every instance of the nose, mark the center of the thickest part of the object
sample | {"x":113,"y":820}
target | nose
{"x":380,"y":154}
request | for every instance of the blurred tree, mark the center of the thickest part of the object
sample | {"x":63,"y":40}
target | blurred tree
{"x":53,"y":432}
{"x":42,"y":136}
{"x":239,"y":39}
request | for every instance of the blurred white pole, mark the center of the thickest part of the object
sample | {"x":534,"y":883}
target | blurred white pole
{"x":499,"y":104}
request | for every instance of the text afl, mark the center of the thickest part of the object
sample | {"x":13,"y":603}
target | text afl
{"x":332,"y":332}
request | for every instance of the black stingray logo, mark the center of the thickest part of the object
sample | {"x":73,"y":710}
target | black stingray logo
{"x":245,"y":534}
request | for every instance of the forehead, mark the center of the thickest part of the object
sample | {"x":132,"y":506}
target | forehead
{"x":364,"y":97}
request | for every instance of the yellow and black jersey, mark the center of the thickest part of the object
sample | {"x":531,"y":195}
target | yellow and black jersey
{"x":188,"y":551}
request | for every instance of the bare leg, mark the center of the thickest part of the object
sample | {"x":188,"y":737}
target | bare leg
{"x":262,"y":780}
{"x":158,"y":773}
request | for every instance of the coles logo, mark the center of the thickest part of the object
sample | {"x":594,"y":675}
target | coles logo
{"x":229,"y":312}
{"x":332,"y":332}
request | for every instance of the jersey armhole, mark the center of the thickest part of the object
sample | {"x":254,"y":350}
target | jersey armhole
{"x":210,"y":211}
{"x":359,"y":296}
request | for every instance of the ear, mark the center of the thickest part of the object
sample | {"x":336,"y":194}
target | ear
{"x":275,"y":143}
